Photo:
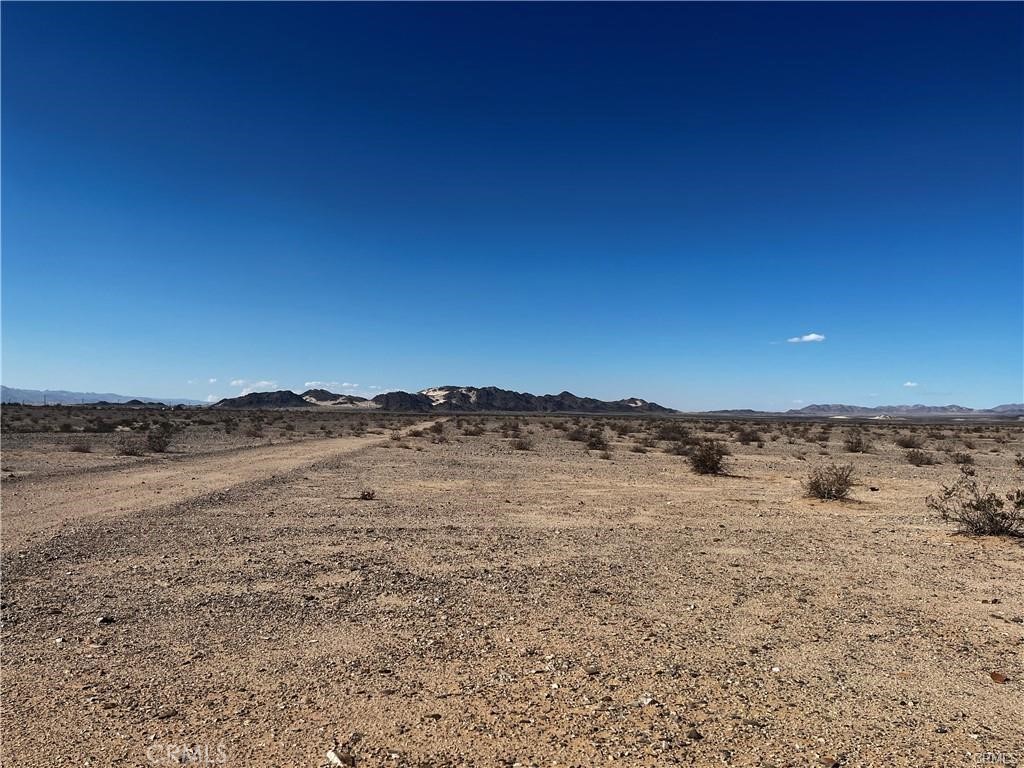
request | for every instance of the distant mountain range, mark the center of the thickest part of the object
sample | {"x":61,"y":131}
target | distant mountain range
{"x":64,"y":397}
{"x":452,"y":399}
{"x":837,"y":409}
{"x":446,"y":400}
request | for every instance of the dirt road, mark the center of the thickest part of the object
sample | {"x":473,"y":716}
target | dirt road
{"x":35,"y":508}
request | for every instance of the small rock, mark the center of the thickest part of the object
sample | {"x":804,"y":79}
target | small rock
{"x":694,"y":735}
{"x":341,"y":757}
{"x":999,"y":677}
{"x":165,"y":712}
{"x":101,"y":620}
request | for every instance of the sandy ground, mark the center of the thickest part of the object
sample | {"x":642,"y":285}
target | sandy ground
{"x":497,"y":607}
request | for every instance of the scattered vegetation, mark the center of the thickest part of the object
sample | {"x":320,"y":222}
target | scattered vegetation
{"x":367,"y":494}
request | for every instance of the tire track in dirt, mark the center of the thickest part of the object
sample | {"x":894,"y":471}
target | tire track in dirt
{"x":34,"y":510}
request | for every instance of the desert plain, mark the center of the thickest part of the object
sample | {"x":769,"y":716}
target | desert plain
{"x":489,"y":590}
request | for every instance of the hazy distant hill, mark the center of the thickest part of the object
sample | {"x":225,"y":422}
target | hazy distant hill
{"x":906,"y":411}
{"x":64,"y":397}
{"x":901,"y":410}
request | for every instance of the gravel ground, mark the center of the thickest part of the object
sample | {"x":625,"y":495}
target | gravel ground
{"x":502,"y":607}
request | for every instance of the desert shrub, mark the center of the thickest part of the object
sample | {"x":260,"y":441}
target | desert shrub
{"x":909,"y":441}
{"x":920,"y":458}
{"x":64,"y":426}
{"x":707,"y":458}
{"x":128,"y":445}
{"x":473,"y":431}
{"x":606,"y":455}
{"x":596,"y":440}
{"x":577,"y":434}
{"x":830,"y":481}
{"x":1018,"y":461}
{"x":856,"y":442}
{"x":748,"y":436}
{"x":522,"y":444}
{"x":672,"y":431}
{"x":158,"y":439}
{"x":437,"y":427}
{"x":977,"y":511}
{"x":80,"y":445}
{"x":680,"y":447}
{"x":367,"y":494}
{"x":962,"y":458}
{"x":638,"y":449}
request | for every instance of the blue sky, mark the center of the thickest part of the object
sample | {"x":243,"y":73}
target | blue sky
{"x":617,"y":200}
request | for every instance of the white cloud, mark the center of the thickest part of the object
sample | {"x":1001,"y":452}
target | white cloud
{"x":212,"y":398}
{"x":910,"y":384}
{"x":321,"y":384}
{"x":806,"y":338}
{"x":212,"y":381}
{"x":348,"y":385}
{"x":191,"y":381}
{"x":248,"y":387}
{"x":798,"y":402}
{"x":258,"y":386}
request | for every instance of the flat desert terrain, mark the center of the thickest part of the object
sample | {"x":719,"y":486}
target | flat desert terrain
{"x":503,"y":596}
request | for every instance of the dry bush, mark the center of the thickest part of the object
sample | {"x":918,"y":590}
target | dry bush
{"x":920,"y":458}
{"x":367,"y":494}
{"x":672,"y":431}
{"x":830,"y":481}
{"x":748,"y":436}
{"x":522,"y":444}
{"x":708,"y":458}
{"x":856,"y":442}
{"x":128,"y":445}
{"x":909,"y":441}
{"x":158,"y":440}
{"x":977,"y":511}
{"x":961,"y":458}
{"x":596,"y":440}
{"x":80,"y":445}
